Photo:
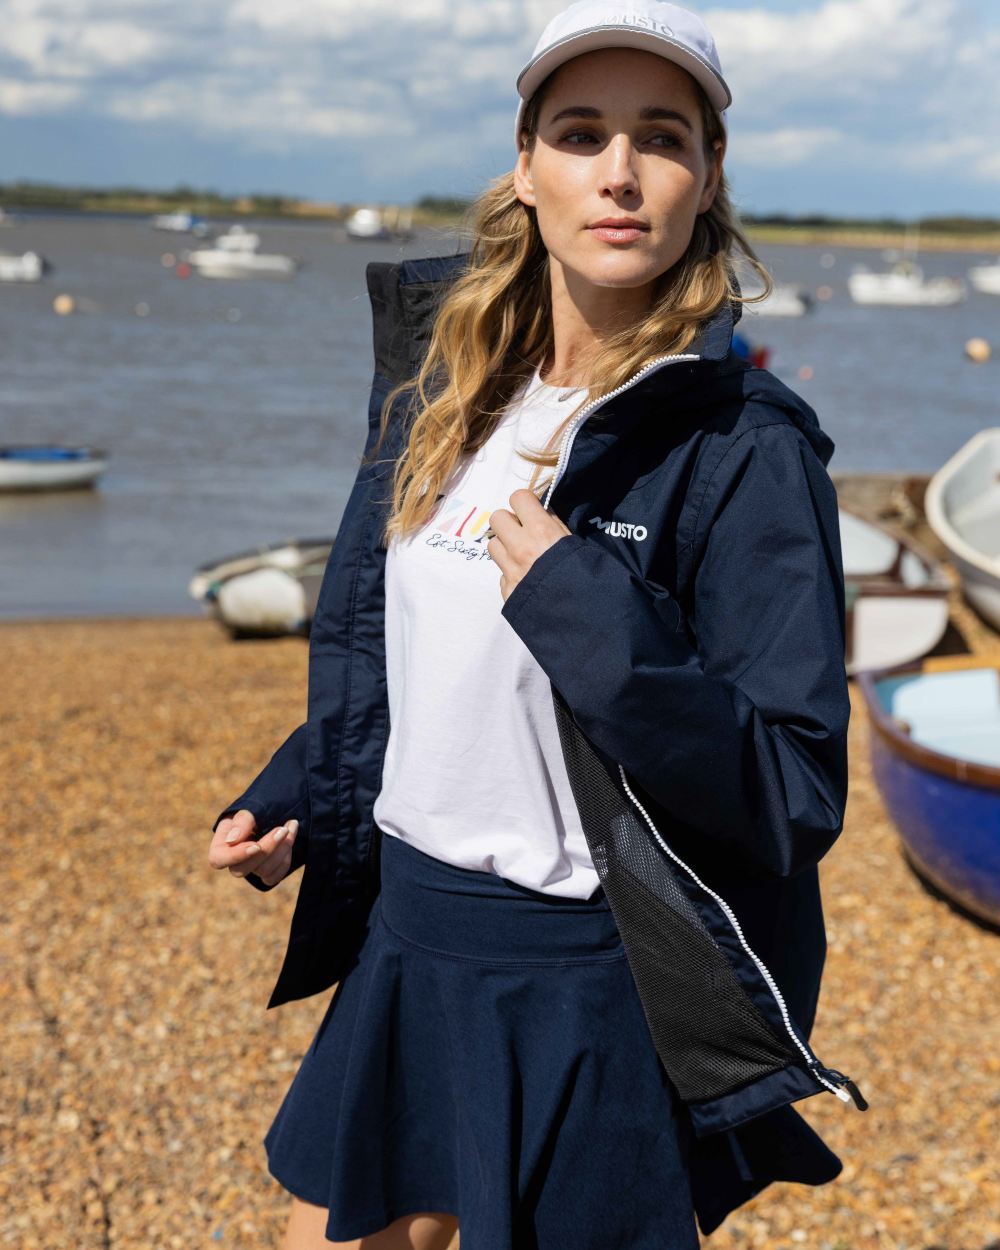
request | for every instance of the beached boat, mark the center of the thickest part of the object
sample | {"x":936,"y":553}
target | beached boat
{"x":905,"y":286}
{"x":896,"y":595}
{"x":963,"y":509}
{"x":986,"y":278}
{"x":45,"y":466}
{"x":935,"y":752}
{"x":28,"y":267}
{"x":267,"y":591}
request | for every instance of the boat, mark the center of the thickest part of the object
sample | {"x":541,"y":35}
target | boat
{"x":963,"y":509}
{"x":367,"y":223}
{"x":986,"y":278}
{"x":905,"y":286}
{"x":235,"y":255}
{"x":28,"y":267}
{"x":9,"y":219}
{"x":896,"y":595}
{"x":268,"y":591}
{"x":237,"y":239}
{"x":47,"y":466}
{"x":785,"y":300}
{"x":179,"y":223}
{"x":935,"y":753}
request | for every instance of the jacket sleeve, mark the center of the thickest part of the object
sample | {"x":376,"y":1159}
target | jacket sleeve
{"x":278,"y":793}
{"x":734,"y":722}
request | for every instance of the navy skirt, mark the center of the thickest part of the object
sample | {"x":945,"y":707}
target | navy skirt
{"x":487,"y":1056}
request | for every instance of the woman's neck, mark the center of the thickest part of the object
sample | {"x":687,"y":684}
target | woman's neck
{"x":584,"y":317}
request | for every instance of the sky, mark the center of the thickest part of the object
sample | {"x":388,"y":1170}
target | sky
{"x":852,"y":107}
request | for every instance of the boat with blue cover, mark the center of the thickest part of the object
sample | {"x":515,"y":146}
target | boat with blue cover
{"x":49,"y":466}
{"x":935,"y":753}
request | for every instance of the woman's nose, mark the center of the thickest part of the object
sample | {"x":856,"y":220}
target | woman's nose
{"x":618,"y":172}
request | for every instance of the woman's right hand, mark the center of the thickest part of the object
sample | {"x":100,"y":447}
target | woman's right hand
{"x":235,"y":847}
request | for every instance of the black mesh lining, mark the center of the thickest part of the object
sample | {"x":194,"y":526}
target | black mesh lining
{"x":709,"y":1035}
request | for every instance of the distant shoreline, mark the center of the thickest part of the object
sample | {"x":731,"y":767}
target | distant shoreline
{"x":812,"y":234}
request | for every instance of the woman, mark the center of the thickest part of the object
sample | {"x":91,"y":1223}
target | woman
{"x":546,"y":1031}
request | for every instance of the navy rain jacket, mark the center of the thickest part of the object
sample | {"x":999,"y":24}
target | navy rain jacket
{"x":692,"y":626}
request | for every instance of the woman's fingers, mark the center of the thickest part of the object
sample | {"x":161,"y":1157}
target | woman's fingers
{"x":277,"y":864}
{"x":232,"y":842}
{"x":273,"y":851}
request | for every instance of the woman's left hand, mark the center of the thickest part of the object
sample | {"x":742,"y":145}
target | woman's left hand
{"x":520,"y":537}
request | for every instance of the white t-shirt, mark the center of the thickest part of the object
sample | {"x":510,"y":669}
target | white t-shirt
{"x":474,"y":774}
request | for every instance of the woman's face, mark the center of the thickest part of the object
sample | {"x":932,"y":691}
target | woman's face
{"x":619,"y":137}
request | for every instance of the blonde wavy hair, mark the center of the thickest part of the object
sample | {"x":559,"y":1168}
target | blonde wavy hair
{"x":494,"y":327}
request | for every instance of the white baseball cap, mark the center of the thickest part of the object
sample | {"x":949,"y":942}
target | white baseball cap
{"x":654,"y":25}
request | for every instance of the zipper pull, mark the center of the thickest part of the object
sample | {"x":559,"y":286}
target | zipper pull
{"x":846,"y":1090}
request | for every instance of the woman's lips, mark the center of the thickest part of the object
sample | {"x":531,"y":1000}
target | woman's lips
{"x":618,"y":234}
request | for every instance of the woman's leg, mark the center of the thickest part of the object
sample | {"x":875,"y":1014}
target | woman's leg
{"x":426,"y":1231}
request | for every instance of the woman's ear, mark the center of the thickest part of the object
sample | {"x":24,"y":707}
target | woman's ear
{"x":523,"y":186}
{"x":713,"y":178}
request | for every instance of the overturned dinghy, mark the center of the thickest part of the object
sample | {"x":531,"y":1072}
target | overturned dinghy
{"x":268,"y":592}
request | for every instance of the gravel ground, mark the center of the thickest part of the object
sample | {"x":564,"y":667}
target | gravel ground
{"x":141,"y":1070}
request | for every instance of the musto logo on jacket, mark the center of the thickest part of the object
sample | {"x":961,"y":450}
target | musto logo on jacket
{"x":620,"y":529}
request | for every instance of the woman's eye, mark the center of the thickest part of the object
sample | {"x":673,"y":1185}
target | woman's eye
{"x":670,"y":140}
{"x":573,"y":135}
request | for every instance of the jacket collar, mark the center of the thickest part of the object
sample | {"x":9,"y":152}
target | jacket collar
{"x":406,"y":294}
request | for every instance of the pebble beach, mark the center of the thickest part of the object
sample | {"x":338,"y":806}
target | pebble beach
{"x":141,"y":1069}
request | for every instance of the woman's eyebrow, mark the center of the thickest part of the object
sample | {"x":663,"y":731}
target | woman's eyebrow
{"x":651,"y":113}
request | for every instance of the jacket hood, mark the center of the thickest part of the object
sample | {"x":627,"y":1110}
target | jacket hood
{"x":406,"y":295}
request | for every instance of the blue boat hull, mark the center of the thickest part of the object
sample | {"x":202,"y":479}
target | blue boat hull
{"x":950,"y":828}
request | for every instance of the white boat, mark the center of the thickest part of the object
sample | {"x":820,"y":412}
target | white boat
{"x":963,"y":508}
{"x":237,"y":239}
{"x":44,"y":466}
{"x":271,"y":590}
{"x":176,"y":223}
{"x":896,"y":595}
{"x":9,"y":219}
{"x":986,"y":278}
{"x":785,"y":300}
{"x":241,"y":261}
{"x":28,"y":267}
{"x":905,"y":286}
{"x":367,"y":223}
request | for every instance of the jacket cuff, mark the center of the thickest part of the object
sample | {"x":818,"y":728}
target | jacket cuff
{"x":544,"y":565}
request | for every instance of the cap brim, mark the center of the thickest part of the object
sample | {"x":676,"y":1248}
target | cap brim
{"x":704,"y":73}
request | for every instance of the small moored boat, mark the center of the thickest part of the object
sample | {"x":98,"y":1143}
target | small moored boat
{"x":28,"y":267}
{"x":963,"y":509}
{"x":896,"y":595}
{"x":986,"y":278}
{"x":46,"y":466}
{"x":785,"y":300}
{"x":904,"y":286}
{"x":935,"y":752}
{"x":268,"y":591}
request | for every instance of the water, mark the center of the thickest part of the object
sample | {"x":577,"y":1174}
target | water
{"x":235,"y":412}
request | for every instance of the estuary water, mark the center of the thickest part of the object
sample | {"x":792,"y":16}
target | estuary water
{"x":235,"y":411}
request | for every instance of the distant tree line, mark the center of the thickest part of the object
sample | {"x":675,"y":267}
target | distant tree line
{"x":208,"y":202}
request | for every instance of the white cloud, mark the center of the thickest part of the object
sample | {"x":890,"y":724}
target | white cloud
{"x":788,"y":145}
{"x":909,"y":84}
{"x":28,"y":99}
